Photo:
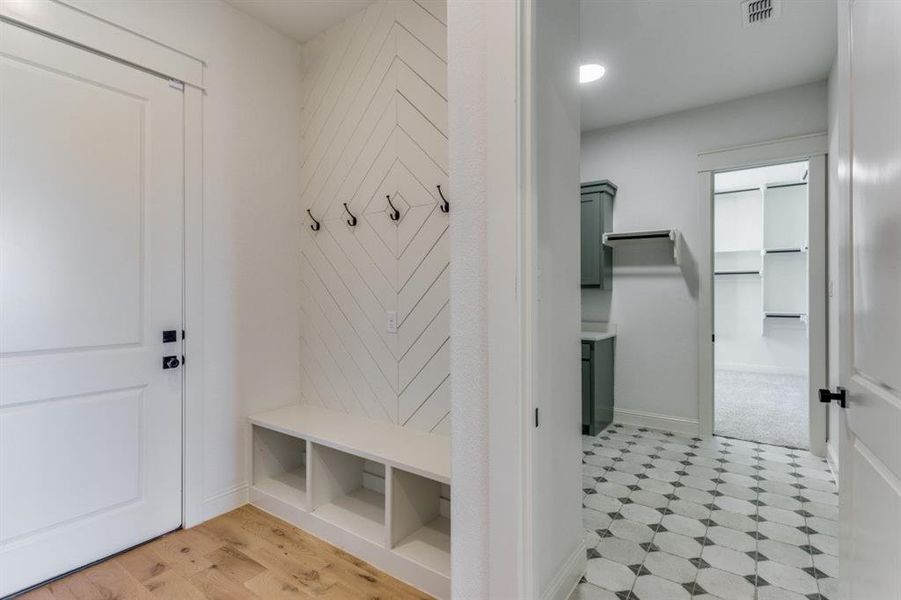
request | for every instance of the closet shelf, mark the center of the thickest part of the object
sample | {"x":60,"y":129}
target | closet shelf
{"x":738,"y":250}
{"x":614,"y":239}
{"x":653,"y":235}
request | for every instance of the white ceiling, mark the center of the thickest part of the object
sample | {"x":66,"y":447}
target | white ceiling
{"x":300,"y":19}
{"x":663,"y":56}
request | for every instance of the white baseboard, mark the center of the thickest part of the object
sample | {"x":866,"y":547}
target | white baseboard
{"x":226,"y":500}
{"x":567,"y":578}
{"x":767,"y":369}
{"x":656,"y":421}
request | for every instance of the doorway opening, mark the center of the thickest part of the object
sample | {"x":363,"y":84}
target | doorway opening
{"x":761,"y":283}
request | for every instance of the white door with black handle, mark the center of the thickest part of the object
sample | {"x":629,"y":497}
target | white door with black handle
{"x":91,"y":197}
{"x":869,"y":395}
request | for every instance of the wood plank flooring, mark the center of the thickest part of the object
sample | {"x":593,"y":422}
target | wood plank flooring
{"x":244,"y":554}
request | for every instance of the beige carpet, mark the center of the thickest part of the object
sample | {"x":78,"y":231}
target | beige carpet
{"x":761,"y":407}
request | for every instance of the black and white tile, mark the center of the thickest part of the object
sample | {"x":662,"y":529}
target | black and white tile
{"x":669,"y":516}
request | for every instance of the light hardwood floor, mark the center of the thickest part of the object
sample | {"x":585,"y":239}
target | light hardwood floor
{"x":243,"y":554}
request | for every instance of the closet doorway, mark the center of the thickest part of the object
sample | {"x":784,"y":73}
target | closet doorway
{"x":760,"y":279}
{"x":764,"y":300}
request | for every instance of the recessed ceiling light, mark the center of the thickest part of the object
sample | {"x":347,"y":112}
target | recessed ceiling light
{"x":592,"y":72}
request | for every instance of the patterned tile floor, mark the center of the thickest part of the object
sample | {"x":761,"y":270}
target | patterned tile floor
{"x":669,"y":517}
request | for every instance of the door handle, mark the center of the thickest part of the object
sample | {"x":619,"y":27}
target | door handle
{"x":171,"y":362}
{"x":840,"y":395}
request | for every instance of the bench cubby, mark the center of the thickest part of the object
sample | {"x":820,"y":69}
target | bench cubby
{"x":279,"y":466}
{"x":341,"y":497}
{"x":378,"y":491}
{"x":420,"y":520}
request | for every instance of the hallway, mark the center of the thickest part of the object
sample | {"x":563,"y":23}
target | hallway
{"x":670,"y":517}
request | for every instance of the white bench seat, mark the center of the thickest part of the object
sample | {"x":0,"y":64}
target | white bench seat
{"x":377,"y":490}
{"x":425,"y":454}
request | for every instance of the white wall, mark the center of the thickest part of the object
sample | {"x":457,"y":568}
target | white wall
{"x":251,"y":285}
{"x":653,"y":303}
{"x":374,"y":123}
{"x":559,"y":555}
{"x":493,"y":287}
{"x":487,"y":512}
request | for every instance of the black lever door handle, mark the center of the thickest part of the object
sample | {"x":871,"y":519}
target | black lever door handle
{"x":840,"y":395}
{"x":171,"y":362}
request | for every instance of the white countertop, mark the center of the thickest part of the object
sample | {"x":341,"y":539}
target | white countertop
{"x":595,"y":336}
{"x":597,"y":331}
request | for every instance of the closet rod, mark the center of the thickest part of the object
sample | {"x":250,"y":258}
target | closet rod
{"x":736,"y":272}
{"x":783,"y":250}
{"x":783,"y":315}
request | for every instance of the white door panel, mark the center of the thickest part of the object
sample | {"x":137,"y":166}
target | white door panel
{"x":870,"y":453}
{"x":32,"y":378}
{"x":91,"y":205}
{"x":870,"y":544}
{"x":875,"y":195}
{"x":45,"y":256}
{"x":96,"y":442}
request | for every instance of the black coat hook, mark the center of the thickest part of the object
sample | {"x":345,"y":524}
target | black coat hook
{"x":315,"y":226}
{"x":352,"y":221}
{"x":445,"y":205}
{"x":394,"y":214}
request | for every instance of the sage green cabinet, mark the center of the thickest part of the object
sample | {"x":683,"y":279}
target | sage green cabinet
{"x":597,"y":385}
{"x":597,"y":219}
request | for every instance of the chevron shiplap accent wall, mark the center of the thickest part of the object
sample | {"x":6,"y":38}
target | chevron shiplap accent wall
{"x":374,"y":123}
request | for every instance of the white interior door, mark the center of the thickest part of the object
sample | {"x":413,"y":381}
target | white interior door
{"x":870,"y":450}
{"x":91,"y":197}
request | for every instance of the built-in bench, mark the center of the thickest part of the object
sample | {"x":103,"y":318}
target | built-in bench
{"x":374,"y":489}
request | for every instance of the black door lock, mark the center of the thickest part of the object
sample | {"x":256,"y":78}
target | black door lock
{"x":840,"y":395}
{"x":171,"y":362}
{"x":170,"y":335}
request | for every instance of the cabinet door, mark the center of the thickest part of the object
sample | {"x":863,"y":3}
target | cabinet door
{"x":602,"y":376}
{"x":592,"y":229}
{"x":605,"y":253}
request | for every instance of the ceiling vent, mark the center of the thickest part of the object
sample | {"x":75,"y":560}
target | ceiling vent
{"x":754,"y":12}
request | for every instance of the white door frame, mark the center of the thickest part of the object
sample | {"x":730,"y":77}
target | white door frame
{"x":92,"y":34}
{"x":812,"y":148}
